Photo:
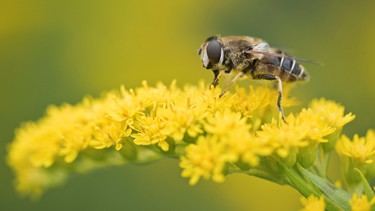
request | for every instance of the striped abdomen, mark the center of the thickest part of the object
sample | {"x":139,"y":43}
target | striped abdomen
{"x":287,"y":68}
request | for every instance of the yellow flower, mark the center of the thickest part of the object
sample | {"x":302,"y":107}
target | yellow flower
{"x":362,"y":203}
{"x":256,"y":103}
{"x":357,"y":153}
{"x":313,"y":203}
{"x":360,"y":149}
{"x":332,"y":115}
{"x":226,"y":123}
{"x":259,"y":104}
{"x":150,"y":131}
{"x":183,"y":117}
{"x":212,"y":136}
{"x":204,"y":159}
{"x":331,"y":112}
{"x":234,"y":132}
{"x":284,"y":139}
{"x":318,"y":128}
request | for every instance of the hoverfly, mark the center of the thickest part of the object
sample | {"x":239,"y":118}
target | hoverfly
{"x":253,"y":57}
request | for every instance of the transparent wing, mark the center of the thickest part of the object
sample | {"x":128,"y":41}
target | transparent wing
{"x":265,"y":49}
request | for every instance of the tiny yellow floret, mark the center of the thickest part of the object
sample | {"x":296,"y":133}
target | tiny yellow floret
{"x":361,"y":203}
{"x":313,"y":203}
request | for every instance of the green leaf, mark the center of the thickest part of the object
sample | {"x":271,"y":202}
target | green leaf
{"x":338,"y":197}
{"x":366,"y":186}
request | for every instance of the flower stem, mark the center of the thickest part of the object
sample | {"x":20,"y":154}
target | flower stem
{"x":297,"y":181}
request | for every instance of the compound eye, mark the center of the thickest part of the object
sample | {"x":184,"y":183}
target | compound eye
{"x":214,"y":51}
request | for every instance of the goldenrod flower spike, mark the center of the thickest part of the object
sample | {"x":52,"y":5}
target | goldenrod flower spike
{"x":240,"y":132}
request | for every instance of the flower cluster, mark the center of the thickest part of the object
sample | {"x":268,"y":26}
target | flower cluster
{"x":358,"y":153}
{"x":138,"y":126}
{"x":241,"y":132}
{"x":313,"y":203}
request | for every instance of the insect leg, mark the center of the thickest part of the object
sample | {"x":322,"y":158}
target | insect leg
{"x":239,"y":75}
{"x":280,"y":90}
{"x":216,"y":77}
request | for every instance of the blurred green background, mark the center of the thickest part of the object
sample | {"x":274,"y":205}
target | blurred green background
{"x":59,"y":51}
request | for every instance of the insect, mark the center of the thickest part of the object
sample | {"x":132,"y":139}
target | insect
{"x":251,"y":57}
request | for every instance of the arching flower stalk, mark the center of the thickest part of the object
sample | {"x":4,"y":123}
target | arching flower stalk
{"x":240,"y":132}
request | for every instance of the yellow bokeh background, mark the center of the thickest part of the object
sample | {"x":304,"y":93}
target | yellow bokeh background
{"x":53,"y":52}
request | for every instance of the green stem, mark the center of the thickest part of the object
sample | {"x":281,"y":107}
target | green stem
{"x":323,"y":161}
{"x":297,"y":181}
{"x":256,"y":172}
{"x":265,"y":175}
